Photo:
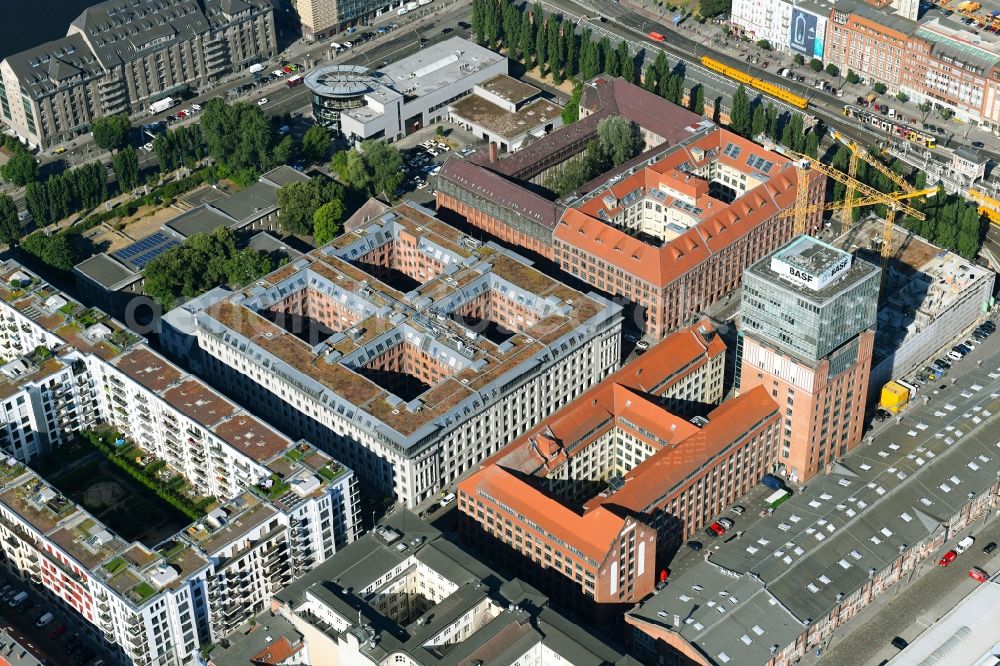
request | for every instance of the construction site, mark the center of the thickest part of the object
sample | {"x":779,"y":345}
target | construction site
{"x":929,"y":297}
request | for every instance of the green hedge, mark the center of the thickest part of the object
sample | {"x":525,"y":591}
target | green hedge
{"x":170,"y":492}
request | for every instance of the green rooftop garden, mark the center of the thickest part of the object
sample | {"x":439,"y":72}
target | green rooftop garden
{"x":144,"y":590}
{"x":115,"y":565}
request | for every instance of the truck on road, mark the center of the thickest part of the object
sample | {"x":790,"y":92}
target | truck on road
{"x":162,"y":105}
{"x":293,"y":81}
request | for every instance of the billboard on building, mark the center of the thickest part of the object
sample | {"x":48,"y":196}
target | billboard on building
{"x":807,"y":33}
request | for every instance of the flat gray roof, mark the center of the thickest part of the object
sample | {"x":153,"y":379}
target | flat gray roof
{"x":792,"y":568}
{"x":107,"y":271}
{"x":265,"y":242}
{"x":284,"y":175}
{"x":201,"y":220}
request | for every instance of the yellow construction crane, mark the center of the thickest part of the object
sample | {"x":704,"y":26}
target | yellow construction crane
{"x":859,"y":153}
{"x":892,"y":200}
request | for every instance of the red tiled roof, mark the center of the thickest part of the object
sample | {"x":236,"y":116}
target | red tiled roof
{"x":720,"y":224}
{"x":275,"y":654}
{"x":592,"y":533}
{"x":669,"y":466}
{"x":597,"y":405}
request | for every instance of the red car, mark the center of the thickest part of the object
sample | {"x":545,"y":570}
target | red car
{"x":57,"y":632}
{"x":717,"y":528}
{"x":978,"y":574}
{"x":948,"y":558}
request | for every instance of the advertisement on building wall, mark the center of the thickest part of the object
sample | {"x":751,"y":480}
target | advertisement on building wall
{"x":807,"y":33}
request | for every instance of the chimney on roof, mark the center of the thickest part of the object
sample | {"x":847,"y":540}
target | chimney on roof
{"x":494,"y":152}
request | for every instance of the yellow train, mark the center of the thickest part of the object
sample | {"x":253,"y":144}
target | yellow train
{"x":765,"y":87}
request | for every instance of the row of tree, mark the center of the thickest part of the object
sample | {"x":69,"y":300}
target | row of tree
{"x":203,"y":262}
{"x":63,"y":194}
{"x":549,"y":42}
{"x":753,"y":118}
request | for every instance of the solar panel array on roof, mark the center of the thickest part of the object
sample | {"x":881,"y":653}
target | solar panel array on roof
{"x":142,"y":252}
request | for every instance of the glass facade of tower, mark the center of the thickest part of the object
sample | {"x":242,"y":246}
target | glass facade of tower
{"x":809,"y":298}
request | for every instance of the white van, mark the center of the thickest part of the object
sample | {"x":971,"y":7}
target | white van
{"x":402,"y":11}
{"x":964,"y":544}
{"x":44,"y":620}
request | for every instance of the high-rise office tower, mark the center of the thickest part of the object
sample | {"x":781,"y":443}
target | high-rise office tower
{"x":808,"y":318}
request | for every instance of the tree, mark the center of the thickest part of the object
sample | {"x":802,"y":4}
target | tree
{"x":879,"y":87}
{"x":541,"y":38}
{"x":298,"y":203}
{"x":799,"y":59}
{"x":832,"y":70}
{"x":619,"y":139}
{"x":284,"y":150}
{"x":902,"y":97}
{"x":759,"y":124}
{"x":626,"y":62}
{"x":386,"y":166}
{"x":245,"y":266}
{"x":111,"y":132}
{"x":10,"y":225}
{"x":478,"y":7}
{"x":740,"y":120}
{"x":20,"y":169}
{"x":527,"y":39}
{"x":852,"y":77}
{"x":764,"y":44}
{"x":772,"y":121}
{"x":326,"y":221}
{"x":553,"y":26}
{"x":698,"y":100}
{"x":36,"y":199}
{"x":571,"y":112}
{"x":238,"y":136}
{"x":55,"y":251}
{"x":126,"y":165}
{"x":812,"y":145}
{"x":816,"y":65}
{"x":713,"y":8}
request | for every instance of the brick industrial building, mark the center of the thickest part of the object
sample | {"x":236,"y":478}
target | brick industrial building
{"x":670,"y":232}
{"x":808,"y":331}
{"x":590,"y":498}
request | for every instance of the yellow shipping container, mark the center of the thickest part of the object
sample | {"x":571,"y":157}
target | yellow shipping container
{"x":894,"y":397}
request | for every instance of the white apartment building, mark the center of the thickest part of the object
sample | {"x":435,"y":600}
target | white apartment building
{"x":285,"y":507}
{"x":405,"y":349}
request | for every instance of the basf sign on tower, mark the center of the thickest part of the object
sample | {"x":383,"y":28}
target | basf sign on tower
{"x":807,"y":33}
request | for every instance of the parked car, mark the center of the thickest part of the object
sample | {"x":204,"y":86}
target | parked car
{"x":717,"y":528}
{"x":57,"y":632}
{"x":18,"y":599}
{"x":447,"y":499}
{"x":44,"y":619}
{"x":881,"y":415}
{"x":965,"y":544}
{"x":737,"y":509}
{"x":947,"y":559}
{"x":726,"y":523}
{"x":940,"y":362}
{"x":978,"y":574}
{"x":899,"y":643}
{"x":642,"y":345}
{"x":695,"y":545}
{"x":710,"y":532}
{"x":990,"y":547}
